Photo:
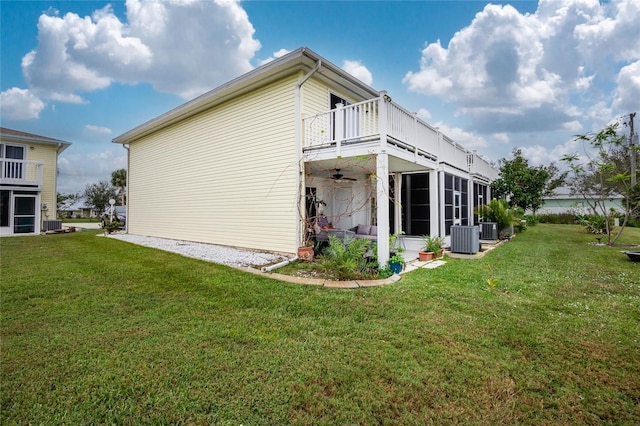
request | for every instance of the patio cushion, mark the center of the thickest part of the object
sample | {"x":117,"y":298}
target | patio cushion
{"x":363,"y":229}
{"x":373,"y":231}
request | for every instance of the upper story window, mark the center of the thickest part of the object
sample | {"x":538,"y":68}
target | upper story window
{"x":15,"y":152}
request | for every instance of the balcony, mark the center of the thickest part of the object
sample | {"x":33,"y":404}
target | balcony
{"x":21,"y":173}
{"x":380,"y":125}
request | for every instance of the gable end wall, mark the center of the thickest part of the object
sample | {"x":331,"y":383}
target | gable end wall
{"x":224,"y":176}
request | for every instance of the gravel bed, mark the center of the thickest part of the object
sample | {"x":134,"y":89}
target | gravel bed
{"x":209,"y":252}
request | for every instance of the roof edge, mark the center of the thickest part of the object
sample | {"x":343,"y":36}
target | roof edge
{"x":290,"y":61}
{"x":24,"y":137}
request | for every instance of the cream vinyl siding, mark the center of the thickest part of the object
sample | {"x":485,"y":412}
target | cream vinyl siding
{"x":224,"y":176}
{"x":316,"y":97}
{"x":48,"y":155}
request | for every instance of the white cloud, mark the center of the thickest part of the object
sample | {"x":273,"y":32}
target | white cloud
{"x":20,"y":104}
{"x":358,"y":70}
{"x":424,"y":114}
{"x":627,"y":97}
{"x":184,"y":48}
{"x":513,"y":72}
{"x":539,"y":155}
{"x":98,"y":129}
{"x":77,"y":170}
{"x":501,"y":137}
{"x":275,"y":55}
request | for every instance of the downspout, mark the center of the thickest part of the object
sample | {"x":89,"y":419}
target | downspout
{"x":126,"y":192}
{"x":298,"y":122}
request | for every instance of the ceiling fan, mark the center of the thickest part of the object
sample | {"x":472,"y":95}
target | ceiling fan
{"x":339,"y":177}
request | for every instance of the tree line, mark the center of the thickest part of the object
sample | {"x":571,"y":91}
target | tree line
{"x":97,"y":195}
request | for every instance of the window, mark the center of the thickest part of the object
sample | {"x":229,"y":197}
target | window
{"x":12,"y":169}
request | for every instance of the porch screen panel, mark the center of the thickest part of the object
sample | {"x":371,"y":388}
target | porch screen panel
{"x":4,"y":208}
{"x":464,"y":185}
{"x":448,"y":203}
{"x":416,"y":211}
{"x":24,"y":219}
{"x":455,"y":184}
{"x":479,"y":199}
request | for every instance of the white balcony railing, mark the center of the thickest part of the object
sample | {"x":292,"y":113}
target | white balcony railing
{"x":481,"y":167}
{"x":21,"y":172}
{"x":361,"y":122}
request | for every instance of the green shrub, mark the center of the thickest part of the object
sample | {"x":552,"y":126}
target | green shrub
{"x":498,"y":211}
{"x":348,"y":260}
{"x":557,"y":218}
{"x":532,"y":220}
{"x":593,"y":224}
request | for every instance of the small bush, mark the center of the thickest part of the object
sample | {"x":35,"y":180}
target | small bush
{"x":593,"y":224}
{"x":532,"y":220}
{"x":557,"y":218}
{"x":347,"y":261}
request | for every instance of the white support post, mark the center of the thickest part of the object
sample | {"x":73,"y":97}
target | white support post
{"x":414,"y":136}
{"x":382,"y":214}
{"x":383,"y":121}
{"x":339,"y":128}
{"x":441,"y":223}
{"x":470,"y":201}
{"x":397,"y":205}
{"x":434,"y":209}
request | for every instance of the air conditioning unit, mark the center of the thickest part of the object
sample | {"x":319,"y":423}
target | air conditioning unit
{"x":488,"y":231}
{"x":51,"y":225}
{"x":465,"y":239}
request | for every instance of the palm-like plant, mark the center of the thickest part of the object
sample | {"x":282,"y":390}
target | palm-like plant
{"x":346,"y":260}
{"x":119,"y":180}
{"x":498,"y":211}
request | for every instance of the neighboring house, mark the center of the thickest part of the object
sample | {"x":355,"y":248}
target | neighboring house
{"x":245,"y":164}
{"x":77,"y":209}
{"x":563,"y":201}
{"x":28,"y":173}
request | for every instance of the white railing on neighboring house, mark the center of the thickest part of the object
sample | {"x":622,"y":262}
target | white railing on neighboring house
{"x":21,"y":172}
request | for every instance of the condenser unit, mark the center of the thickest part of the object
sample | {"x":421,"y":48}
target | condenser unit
{"x":465,"y":239}
{"x":51,"y":225}
{"x":488,"y":231}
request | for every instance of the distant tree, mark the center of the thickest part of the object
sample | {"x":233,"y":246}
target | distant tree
{"x":605,"y":175}
{"x":99,"y":194}
{"x":525,"y":186}
{"x":119,"y":180}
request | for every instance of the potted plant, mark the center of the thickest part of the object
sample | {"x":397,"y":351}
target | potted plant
{"x":432,"y":248}
{"x":396,"y":263}
{"x":305,"y":251}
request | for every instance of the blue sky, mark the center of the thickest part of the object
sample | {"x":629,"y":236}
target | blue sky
{"x":493,"y":76}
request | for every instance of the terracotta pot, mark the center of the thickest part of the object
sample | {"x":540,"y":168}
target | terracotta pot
{"x":305,"y":253}
{"x":425,"y":256}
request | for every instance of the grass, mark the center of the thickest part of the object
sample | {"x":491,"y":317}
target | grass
{"x":96,"y":330}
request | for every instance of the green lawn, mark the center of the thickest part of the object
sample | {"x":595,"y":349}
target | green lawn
{"x":98,"y":331}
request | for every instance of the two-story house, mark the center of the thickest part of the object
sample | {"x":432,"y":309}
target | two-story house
{"x":247,"y":163}
{"x":28,"y":174}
